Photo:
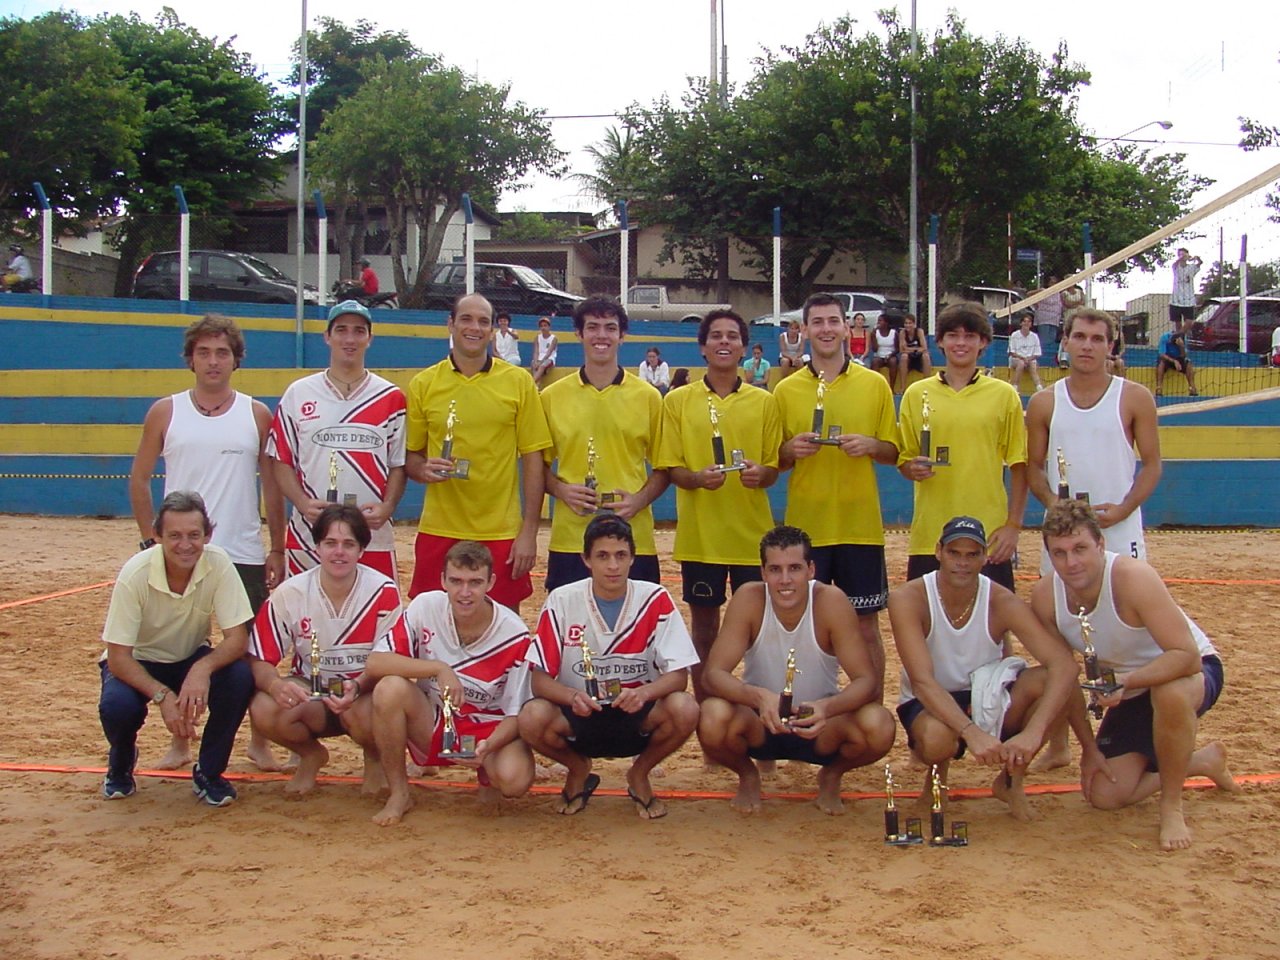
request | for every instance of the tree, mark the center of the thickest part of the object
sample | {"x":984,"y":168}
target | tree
{"x":1256,"y":137}
{"x":419,"y":134}
{"x":63,"y":80}
{"x":524,"y":226}
{"x":211,"y":123}
{"x":1223,"y":279}
{"x":824,"y":130}
{"x":619,"y":170}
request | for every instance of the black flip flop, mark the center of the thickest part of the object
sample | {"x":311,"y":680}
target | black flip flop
{"x":588,"y":788}
{"x":647,"y":807}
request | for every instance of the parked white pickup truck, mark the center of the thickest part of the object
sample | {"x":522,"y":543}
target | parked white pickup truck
{"x":649,"y":302}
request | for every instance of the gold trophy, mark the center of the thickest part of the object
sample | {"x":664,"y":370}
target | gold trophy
{"x":1097,"y":679}
{"x":892,"y":837}
{"x":461,"y":469}
{"x":942,"y":456}
{"x":819,"y":413}
{"x":318,"y":691}
{"x":332,"y":493}
{"x":1064,"y":489}
{"x":784,"y":698}
{"x":605,"y":498}
{"x":602,"y":692}
{"x":451,"y":745}
{"x":717,"y":444}
{"x":959,"y":828}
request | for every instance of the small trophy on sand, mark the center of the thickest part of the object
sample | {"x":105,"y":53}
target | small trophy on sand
{"x":892,"y":837}
{"x":717,"y":444}
{"x":461,"y":469}
{"x":959,"y":828}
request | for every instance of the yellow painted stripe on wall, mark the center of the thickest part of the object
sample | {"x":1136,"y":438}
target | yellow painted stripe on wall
{"x":1176,"y":443}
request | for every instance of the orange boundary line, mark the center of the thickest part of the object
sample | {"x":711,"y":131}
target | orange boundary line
{"x":54,"y":596}
{"x":970,"y":793}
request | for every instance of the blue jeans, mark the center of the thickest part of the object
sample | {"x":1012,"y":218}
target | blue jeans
{"x":123,"y":710}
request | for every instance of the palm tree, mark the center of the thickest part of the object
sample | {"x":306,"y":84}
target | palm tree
{"x":618,"y":168}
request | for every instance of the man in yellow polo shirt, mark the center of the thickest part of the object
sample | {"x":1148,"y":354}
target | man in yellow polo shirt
{"x":709,"y":425}
{"x":489,"y":487}
{"x":976,"y":427}
{"x":605,"y":424}
{"x":157,"y":639}
{"x":833,"y":495}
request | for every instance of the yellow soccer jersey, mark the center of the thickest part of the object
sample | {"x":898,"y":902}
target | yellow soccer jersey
{"x":831,"y":496}
{"x":625,"y":421}
{"x":982,"y":428}
{"x":724,"y":525}
{"x":499,"y":419}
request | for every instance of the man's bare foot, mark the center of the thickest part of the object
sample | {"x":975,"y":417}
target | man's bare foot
{"x":640,"y":790}
{"x":304,"y":779}
{"x":260,"y":756}
{"x":488,"y":796}
{"x":397,"y":806}
{"x":828,"y":799}
{"x":1174,"y":832}
{"x":178,"y":755}
{"x":1014,"y":796}
{"x":1053,"y":756}
{"x":747,"y":799}
{"x":768,"y":769}
{"x":375,"y":781}
{"x":1211,"y":761}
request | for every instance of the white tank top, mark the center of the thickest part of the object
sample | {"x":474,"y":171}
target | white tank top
{"x":956,"y":653}
{"x":886,"y":343}
{"x":218,"y":458}
{"x":1119,"y":646}
{"x":508,"y":347}
{"x":1100,"y":462}
{"x":765,"y":662}
{"x":544,"y":350}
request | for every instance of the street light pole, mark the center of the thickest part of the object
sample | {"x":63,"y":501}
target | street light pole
{"x":1162,"y":124}
{"x":913,"y":255}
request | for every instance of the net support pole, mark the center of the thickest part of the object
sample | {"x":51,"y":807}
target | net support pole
{"x":777,"y":266}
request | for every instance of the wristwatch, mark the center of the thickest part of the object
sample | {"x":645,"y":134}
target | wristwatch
{"x":158,"y":697}
{"x":144,"y":544}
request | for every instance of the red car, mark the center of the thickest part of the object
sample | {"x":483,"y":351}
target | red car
{"x":1220,"y":330}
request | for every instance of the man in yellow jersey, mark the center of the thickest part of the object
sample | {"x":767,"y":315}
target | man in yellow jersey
{"x":489,"y":486}
{"x":605,"y":424}
{"x":833,"y":495}
{"x":720,"y":441}
{"x":975,"y":428}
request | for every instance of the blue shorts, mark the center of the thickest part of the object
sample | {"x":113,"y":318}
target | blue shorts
{"x":1128,"y":727}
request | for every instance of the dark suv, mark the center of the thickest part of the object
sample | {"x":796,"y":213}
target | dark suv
{"x":1220,"y":329}
{"x":508,"y":286}
{"x":219,"y":275}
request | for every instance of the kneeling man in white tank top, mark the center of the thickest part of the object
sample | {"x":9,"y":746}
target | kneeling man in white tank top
{"x":1169,"y":673}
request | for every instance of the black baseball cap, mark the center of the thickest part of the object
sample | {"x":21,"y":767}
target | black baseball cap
{"x":966,"y":527}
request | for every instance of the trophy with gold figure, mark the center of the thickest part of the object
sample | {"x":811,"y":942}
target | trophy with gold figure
{"x":332,"y":493}
{"x":832,"y":438}
{"x":959,"y":828}
{"x":1098,"y":680}
{"x":461,"y":469}
{"x":603,"y":498}
{"x":452,"y":746}
{"x":602,"y":692}
{"x":318,"y":691}
{"x":1064,"y":488}
{"x":717,"y":444}
{"x":892,"y":837}
{"x":941,"y":457}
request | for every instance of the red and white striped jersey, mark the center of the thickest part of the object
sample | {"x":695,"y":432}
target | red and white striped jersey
{"x":648,"y":640}
{"x":283,"y":625}
{"x":492,"y":668}
{"x":366,"y":431}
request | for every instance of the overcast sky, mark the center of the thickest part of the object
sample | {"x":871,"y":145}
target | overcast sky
{"x":1201,"y":70}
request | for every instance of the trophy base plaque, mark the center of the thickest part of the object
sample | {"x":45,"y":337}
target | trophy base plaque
{"x":914,"y":836}
{"x":941,"y":458}
{"x":1103,"y":687}
{"x":335,"y":687}
{"x":604,"y":692}
{"x":959,"y":836}
{"x":832,"y":439}
{"x":461,"y":471}
{"x":1083,"y":495}
{"x":349,"y":500}
{"x":739,"y":462}
{"x":331,"y":496}
{"x":459,"y":748}
{"x":318,"y":694}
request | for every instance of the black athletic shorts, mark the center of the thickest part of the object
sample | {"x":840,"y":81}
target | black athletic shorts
{"x":858,"y":569}
{"x":908,"y":711}
{"x":704,"y":582}
{"x":608,"y":732}
{"x":1128,"y":727}
{"x":790,"y":746}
